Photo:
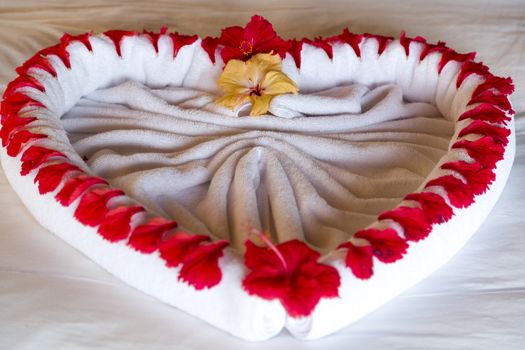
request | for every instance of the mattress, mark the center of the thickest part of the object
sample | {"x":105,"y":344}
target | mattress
{"x":52,"y":296}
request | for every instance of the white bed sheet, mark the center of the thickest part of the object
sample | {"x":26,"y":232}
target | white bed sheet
{"x":52,"y":297}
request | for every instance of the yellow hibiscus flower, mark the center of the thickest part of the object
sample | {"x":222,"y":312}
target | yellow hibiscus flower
{"x":257,"y":80}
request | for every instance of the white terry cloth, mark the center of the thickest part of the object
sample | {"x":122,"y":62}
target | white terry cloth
{"x":347,"y":154}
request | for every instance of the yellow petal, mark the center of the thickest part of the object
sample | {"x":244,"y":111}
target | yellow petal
{"x":232,"y":100}
{"x":233,"y":77}
{"x":267,"y":61}
{"x":260,"y":104}
{"x":278,"y":83}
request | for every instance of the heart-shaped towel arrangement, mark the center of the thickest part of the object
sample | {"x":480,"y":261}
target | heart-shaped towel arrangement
{"x":368,"y":165}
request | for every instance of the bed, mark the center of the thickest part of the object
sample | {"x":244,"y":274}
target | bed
{"x":52,"y":296}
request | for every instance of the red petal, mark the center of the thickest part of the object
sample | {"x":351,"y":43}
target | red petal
{"x":175,"y":250}
{"x":322,"y":44}
{"x":430,"y":48}
{"x":295,"y":47}
{"x":500,"y":135}
{"x":485,"y":112}
{"x":359,"y":260}
{"x":381,"y":40}
{"x":116,"y":223}
{"x":459,"y":193}
{"x":451,"y":55}
{"x":145,"y":238}
{"x":12,"y":123}
{"x":92,"y":207}
{"x":74,"y":187}
{"x":351,"y":39}
{"x":21,"y":82}
{"x":386,"y":244}
{"x":261,"y":34}
{"x":37,"y":61}
{"x":501,"y":101}
{"x":257,"y":257}
{"x":405,"y":41}
{"x":484,"y":150}
{"x":296,"y":253}
{"x":49,"y":177}
{"x":478,"y":178}
{"x":415,"y":224}
{"x":19,"y":139}
{"x":502,"y":85}
{"x":201,"y":267}
{"x":180,"y":41}
{"x":435,"y":207}
{"x":116,"y":36}
{"x":58,"y":50}
{"x":209,"y":45}
{"x":16,"y":102}
{"x":231,"y":36}
{"x":35,"y":156}
{"x":83,"y":38}
{"x":469,"y":68}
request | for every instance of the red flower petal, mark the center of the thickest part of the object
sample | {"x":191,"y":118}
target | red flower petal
{"x":201,"y":267}
{"x":35,"y":156}
{"x":116,"y":223}
{"x":116,"y":37}
{"x":386,"y":244}
{"x":175,"y":249}
{"x":484,"y":150}
{"x":74,"y":187}
{"x":478,"y":178}
{"x":468,"y":68}
{"x":24,"y":81}
{"x":451,"y":55}
{"x":19,"y":139}
{"x":322,"y":44}
{"x":502,"y":85}
{"x":435,"y":207}
{"x":179,"y":41}
{"x":16,"y":102}
{"x":459,"y":193}
{"x":486,"y":112}
{"x":11,"y":124}
{"x":145,"y":238}
{"x":83,"y":38}
{"x":92,"y":207}
{"x":381,"y":40}
{"x":406,"y":41}
{"x":299,"y":284}
{"x":359,"y":260}
{"x":295,"y":48}
{"x":415,"y":224}
{"x":351,"y":39}
{"x":500,"y":135}
{"x":232,"y":36}
{"x":37,"y":61}
{"x":49,"y":177}
{"x":501,"y":101}
{"x":58,"y":50}
{"x":430,"y":48}
{"x":154,"y":37}
{"x":209,"y":45}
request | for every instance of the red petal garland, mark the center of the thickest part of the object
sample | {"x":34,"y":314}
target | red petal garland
{"x":415,"y":224}
{"x":49,"y":177}
{"x":74,"y":187}
{"x":322,"y":44}
{"x":201,"y":266}
{"x":154,"y":37}
{"x":15,"y":103}
{"x":500,"y":135}
{"x":351,"y":39}
{"x":295,"y":48}
{"x":459,"y":193}
{"x":116,"y":37}
{"x":486,"y":112}
{"x":381,"y":40}
{"x":478,"y":177}
{"x":406,"y":41}
{"x":92,"y":207}
{"x":175,"y":249}
{"x":359,"y":259}
{"x":116,"y":223}
{"x":35,"y":156}
{"x":21,"y":82}
{"x":11,"y":124}
{"x":299,"y":285}
{"x":484,"y":150}
{"x":386,"y":244}
{"x":58,"y":50}
{"x":39,"y":62}
{"x":179,"y":41}
{"x":146,"y":237}
{"x":501,"y":101}
{"x":430,"y":48}
{"x":503,"y":85}
{"x":451,"y":55}
{"x":434,"y":206}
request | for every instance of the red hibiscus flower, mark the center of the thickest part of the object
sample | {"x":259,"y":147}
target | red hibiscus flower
{"x":257,"y":37}
{"x":289,"y":272}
